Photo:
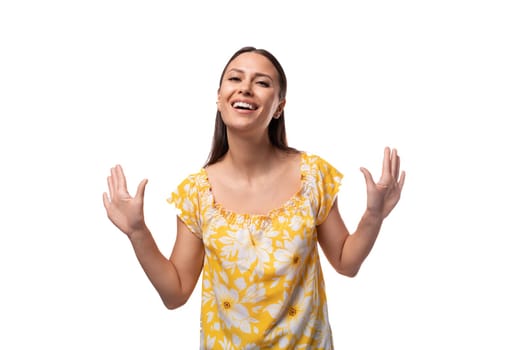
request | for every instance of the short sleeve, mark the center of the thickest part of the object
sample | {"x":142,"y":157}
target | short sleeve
{"x":328,"y":180}
{"x":186,"y":201}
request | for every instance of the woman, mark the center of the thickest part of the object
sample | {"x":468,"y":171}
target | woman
{"x":251,"y":219}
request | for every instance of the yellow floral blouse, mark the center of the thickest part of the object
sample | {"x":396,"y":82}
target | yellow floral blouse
{"x":262,"y":283}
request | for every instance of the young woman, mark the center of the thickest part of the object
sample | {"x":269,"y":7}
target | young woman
{"x":251,"y":220}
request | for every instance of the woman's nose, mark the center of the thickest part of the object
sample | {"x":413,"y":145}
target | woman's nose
{"x":245,"y":89}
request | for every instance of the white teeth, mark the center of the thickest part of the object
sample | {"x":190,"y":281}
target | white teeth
{"x":243,"y":105}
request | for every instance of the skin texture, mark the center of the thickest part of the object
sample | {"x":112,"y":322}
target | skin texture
{"x":253,"y":177}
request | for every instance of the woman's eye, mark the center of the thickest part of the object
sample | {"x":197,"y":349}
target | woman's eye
{"x":234,"y":79}
{"x":263,"y":83}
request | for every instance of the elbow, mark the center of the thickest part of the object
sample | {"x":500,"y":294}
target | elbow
{"x":352,"y":273}
{"x":173,"y":306}
{"x":349,"y":271}
{"x":174,"y":303}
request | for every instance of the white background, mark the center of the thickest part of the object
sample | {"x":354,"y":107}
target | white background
{"x":88,"y":84}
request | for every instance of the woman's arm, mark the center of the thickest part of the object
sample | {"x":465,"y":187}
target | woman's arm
{"x":346,"y":252}
{"x":174,"y":278}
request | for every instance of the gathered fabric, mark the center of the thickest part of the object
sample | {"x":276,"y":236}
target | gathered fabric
{"x":262,"y":282}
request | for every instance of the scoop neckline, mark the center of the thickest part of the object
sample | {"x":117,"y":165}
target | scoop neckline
{"x":232,"y":214}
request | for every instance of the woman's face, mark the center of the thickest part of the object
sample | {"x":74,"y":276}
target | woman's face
{"x":248,"y":97}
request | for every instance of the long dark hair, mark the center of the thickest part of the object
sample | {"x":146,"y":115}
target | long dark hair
{"x":276,"y":129}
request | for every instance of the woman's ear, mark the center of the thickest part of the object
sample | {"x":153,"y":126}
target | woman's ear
{"x":279,"y":110}
{"x":218,"y":101}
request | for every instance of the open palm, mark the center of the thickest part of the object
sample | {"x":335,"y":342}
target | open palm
{"x":124,"y":211}
{"x":383,"y":196}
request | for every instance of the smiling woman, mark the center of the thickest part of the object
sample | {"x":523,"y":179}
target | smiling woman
{"x":249,"y":94}
{"x":251,"y":219}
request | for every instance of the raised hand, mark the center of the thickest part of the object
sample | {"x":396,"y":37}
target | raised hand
{"x":124,"y":211}
{"x":383,"y":196}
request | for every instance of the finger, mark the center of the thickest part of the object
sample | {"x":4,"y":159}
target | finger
{"x":386,"y":162}
{"x":120,"y":176}
{"x":111,"y":186}
{"x":402,"y":180}
{"x":398,"y":167}
{"x":395,"y":164}
{"x":386,"y":175}
{"x":114,"y":182}
{"x":123,"y":186}
{"x":141,"y":189}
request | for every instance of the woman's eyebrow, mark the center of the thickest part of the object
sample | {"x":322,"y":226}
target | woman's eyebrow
{"x":237,"y":70}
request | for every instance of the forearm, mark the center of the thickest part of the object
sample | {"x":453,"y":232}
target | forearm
{"x":161,"y":272}
{"x":358,"y":245}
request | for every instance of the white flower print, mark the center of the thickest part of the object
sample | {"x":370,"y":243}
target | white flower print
{"x":233,"y":242}
{"x":291,"y":257}
{"x":233,"y":312}
{"x":227,"y":345}
{"x":296,"y":222}
{"x":245,"y":249}
{"x":209,"y":342}
{"x":262,"y":280}
{"x":295,"y":318}
{"x":258,"y":254}
{"x":255,"y":293}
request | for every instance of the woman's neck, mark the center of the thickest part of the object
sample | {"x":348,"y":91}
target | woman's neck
{"x":251,"y":159}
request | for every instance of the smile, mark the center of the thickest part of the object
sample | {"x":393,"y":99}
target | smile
{"x":244,"y":105}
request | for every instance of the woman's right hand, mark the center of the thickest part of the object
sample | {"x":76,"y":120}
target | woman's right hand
{"x":124,"y":211}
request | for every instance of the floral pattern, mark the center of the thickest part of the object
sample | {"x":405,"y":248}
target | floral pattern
{"x":262,"y":283}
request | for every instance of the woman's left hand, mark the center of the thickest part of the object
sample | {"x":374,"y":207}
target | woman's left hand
{"x":383,"y":196}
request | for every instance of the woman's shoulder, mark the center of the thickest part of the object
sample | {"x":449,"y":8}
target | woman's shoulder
{"x":196,"y":179}
{"x":314,"y":159}
{"x":316,"y":166}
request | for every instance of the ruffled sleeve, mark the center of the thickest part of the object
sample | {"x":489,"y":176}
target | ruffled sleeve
{"x":186,"y":201}
{"x":328,"y":179}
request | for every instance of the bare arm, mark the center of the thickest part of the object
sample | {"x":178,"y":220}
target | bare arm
{"x":174,"y":278}
{"x":346,"y":252}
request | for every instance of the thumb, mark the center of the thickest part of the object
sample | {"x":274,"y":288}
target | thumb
{"x":105,"y":200}
{"x":141,"y":189}
{"x":368,"y":177}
